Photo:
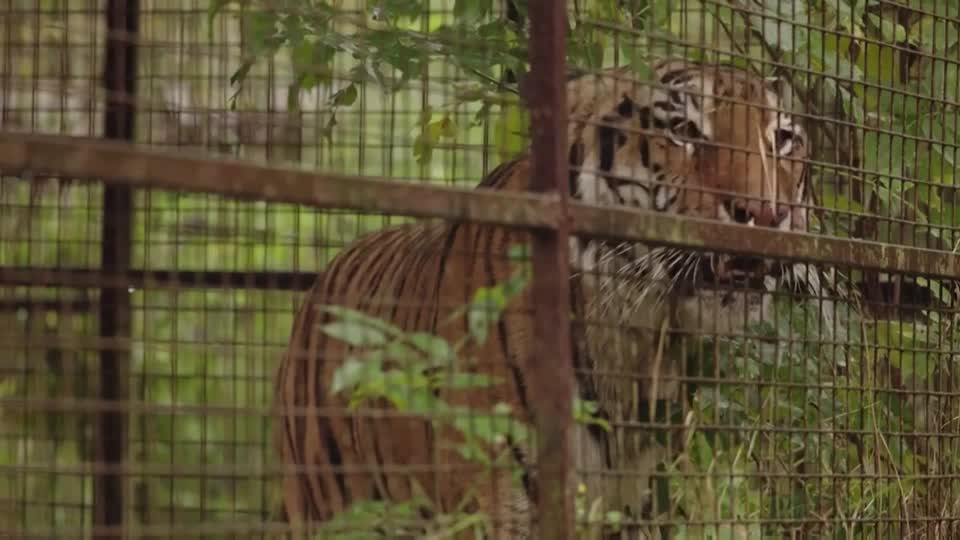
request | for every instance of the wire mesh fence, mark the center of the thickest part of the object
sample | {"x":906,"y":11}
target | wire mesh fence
{"x":731,"y":315}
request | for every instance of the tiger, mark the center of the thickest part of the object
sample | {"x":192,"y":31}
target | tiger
{"x":707,"y":141}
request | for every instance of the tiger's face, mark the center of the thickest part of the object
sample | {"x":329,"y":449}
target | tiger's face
{"x":706,"y":142}
{"x":750,"y":155}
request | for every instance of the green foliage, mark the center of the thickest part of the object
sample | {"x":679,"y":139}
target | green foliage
{"x":389,"y":43}
{"x":802,"y":407}
{"x":371,"y":519}
{"x":394,"y":43}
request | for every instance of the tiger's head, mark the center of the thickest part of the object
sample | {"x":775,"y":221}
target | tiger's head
{"x":710,"y":142}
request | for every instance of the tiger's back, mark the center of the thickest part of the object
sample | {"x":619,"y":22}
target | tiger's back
{"x":415,"y":276}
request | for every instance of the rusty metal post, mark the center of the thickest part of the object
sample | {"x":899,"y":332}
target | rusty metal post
{"x":551,"y":383}
{"x":119,"y":80}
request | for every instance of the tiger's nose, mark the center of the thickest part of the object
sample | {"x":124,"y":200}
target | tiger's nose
{"x":760,"y":213}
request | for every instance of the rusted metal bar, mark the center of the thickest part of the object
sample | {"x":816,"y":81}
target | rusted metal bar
{"x":140,"y":167}
{"x":551,"y":367}
{"x":79,"y":306}
{"x":238,"y":528}
{"x":84,"y":159}
{"x":119,"y":80}
{"x":93,"y":278}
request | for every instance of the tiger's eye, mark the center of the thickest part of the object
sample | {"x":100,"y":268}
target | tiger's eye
{"x":685,"y":128}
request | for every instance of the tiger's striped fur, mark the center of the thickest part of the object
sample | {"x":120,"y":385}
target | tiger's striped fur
{"x":642,"y":146}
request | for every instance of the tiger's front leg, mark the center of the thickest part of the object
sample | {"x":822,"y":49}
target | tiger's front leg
{"x":507,"y":507}
{"x":624,"y":488}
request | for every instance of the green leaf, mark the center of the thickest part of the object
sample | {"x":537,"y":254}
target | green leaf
{"x":509,"y":133}
{"x":783,"y":35}
{"x":584,"y":412}
{"x":354,"y":371}
{"x":431,"y":132}
{"x":905,"y":346}
{"x":472,"y":10}
{"x":939,"y":7}
{"x":422,"y":150}
{"x":214,"y":9}
{"x":502,"y":408}
{"x":355,"y":334}
{"x":885,"y":154}
{"x":593,"y":54}
{"x":831,"y":58}
{"x":241,"y":73}
{"x":362,"y":319}
{"x":357,"y":520}
{"x":943,"y":79}
{"x":704,"y":452}
{"x":410,"y":391}
{"x":467,"y":380}
{"x":345,"y":97}
{"x":397,"y":350}
{"x":889,"y":29}
{"x":941,"y":165}
{"x":847,"y":18}
{"x":395,"y":9}
{"x":938,"y":289}
{"x":880,"y":64}
{"x":489,"y":302}
{"x":419,"y":398}
{"x":935,"y":34}
{"x":832,"y":200}
{"x":261,"y":29}
{"x":614,"y":519}
{"x":491,"y":428}
{"x":519,"y":252}
{"x":474,"y":453}
{"x":485,"y":311}
{"x":311,"y":62}
{"x":437,"y":349}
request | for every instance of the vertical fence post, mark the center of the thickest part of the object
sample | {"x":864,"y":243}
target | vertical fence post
{"x":551,"y":383}
{"x":119,"y":81}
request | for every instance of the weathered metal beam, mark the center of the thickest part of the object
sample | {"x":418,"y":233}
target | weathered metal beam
{"x":136,"y":166}
{"x":77,"y":306}
{"x":93,"y":278}
{"x":76,"y":158}
{"x":116,"y":246}
{"x":550,"y":377}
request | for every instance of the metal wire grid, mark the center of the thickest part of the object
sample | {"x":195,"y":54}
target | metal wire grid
{"x":824,"y":410}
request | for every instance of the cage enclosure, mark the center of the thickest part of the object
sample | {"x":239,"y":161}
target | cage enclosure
{"x":479,"y":269}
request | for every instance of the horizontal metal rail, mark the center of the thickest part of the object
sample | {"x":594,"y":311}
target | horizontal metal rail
{"x":92,"y":278}
{"x":77,"y":158}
